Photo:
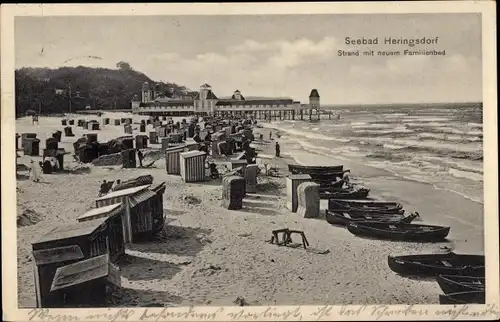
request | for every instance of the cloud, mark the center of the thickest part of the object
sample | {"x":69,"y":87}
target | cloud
{"x":263,"y":65}
{"x":292,"y":67}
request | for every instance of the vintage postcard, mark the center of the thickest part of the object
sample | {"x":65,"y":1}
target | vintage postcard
{"x":235,"y":162}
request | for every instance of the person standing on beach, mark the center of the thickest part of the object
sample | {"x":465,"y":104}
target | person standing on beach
{"x":346,"y":179}
{"x":277,"y":147}
{"x":140,"y":156}
{"x":270,"y":135}
{"x":34,"y":173}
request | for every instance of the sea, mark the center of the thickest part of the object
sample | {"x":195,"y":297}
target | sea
{"x":438,"y":144}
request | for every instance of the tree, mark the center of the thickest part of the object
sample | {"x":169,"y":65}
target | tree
{"x":123,"y":66}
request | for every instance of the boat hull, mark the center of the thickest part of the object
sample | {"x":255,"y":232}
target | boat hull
{"x":339,"y":219}
{"x":364,"y":206}
{"x":355,"y":194}
{"x":458,"y":284}
{"x":314,"y":170}
{"x":472,"y":297}
{"x":398,"y":231}
{"x":433,"y":265}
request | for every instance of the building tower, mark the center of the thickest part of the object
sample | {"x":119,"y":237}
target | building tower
{"x":146,"y":94}
{"x":204,"y":89}
{"x":237,"y":96}
{"x":314,"y":99}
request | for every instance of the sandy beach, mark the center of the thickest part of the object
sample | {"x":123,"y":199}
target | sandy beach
{"x":212,"y":256}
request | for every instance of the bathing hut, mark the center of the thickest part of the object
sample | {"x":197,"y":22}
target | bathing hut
{"x":172,"y":159}
{"x":85,"y":283}
{"x":142,"y":128}
{"x":25,"y":136}
{"x":51,"y":144}
{"x":105,"y":121}
{"x":80,"y":123}
{"x":71,"y":122}
{"x":57,"y":135}
{"x":94,"y":126}
{"x":117,"y":122}
{"x":192,"y":166}
{"x":68,"y":131}
{"x":113,"y":214}
{"x":122,"y":120}
{"x":141,"y":141}
{"x":292,"y":183}
{"x":127,"y":141}
{"x":161,"y":131}
{"x":142,"y":214}
{"x":190,"y":130}
{"x":153,"y":137}
{"x":91,"y":137}
{"x":90,"y":236}
{"x":191,"y":145}
{"x":128,"y":158}
{"x":45,"y":264}
{"x":176,"y":137}
{"x":32,"y":147}
{"x":86,"y":125}
{"x":127,"y":129}
{"x":164,"y":144}
{"x":238,"y":163}
{"x":64,"y":122}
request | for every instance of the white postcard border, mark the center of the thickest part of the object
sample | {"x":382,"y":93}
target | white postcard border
{"x":392,"y":312}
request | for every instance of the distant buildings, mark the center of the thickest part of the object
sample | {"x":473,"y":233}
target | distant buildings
{"x":153,"y":102}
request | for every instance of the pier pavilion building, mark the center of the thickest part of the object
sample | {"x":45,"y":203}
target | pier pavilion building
{"x":155,"y":103}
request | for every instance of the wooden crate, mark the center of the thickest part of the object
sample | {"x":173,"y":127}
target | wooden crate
{"x":85,"y":283}
{"x":172,"y":159}
{"x":192,"y":166}
{"x":292,"y":183}
{"x":45,"y":264}
{"x":90,"y":236}
{"x":114,"y":215}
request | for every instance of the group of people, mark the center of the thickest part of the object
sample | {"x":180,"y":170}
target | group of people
{"x":106,"y":187}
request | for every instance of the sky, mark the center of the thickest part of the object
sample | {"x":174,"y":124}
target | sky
{"x":270,"y":55}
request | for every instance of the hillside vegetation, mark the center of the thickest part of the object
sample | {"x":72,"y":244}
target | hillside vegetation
{"x":98,"y":87}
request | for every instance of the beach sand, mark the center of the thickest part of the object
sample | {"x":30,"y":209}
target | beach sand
{"x":212,"y":256}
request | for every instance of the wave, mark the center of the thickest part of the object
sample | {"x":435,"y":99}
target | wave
{"x":422,"y":178}
{"x":313,"y":136}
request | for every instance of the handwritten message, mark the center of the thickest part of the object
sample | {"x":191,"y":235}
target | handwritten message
{"x":371,"y":312}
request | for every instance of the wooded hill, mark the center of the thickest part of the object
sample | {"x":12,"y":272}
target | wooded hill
{"x":98,"y":87}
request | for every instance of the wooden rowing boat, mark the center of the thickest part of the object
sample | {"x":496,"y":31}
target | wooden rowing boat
{"x":457,"y":284}
{"x":344,"y":218}
{"x":364,"y":206}
{"x":438,"y":264}
{"x":398,"y":231}
{"x":356,"y":193}
{"x":304,"y":169}
{"x":471,"y":297}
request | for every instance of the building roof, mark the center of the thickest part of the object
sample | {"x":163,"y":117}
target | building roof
{"x":255,"y":102}
{"x":242,"y":98}
{"x":314,"y":93}
{"x":140,"y":197}
{"x":57,"y":254}
{"x":105,"y":211}
{"x":191,"y":154}
{"x":211,"y":95}
{"x":72,"y":230}
{"x":85,"y":271}
{"x":124,"y":192}
{"x":205,"y":86}
{"x":170,"y":103}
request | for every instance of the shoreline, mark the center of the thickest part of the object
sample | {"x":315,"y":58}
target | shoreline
{"x":389,"y":172}
{"x":211,"y":255}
